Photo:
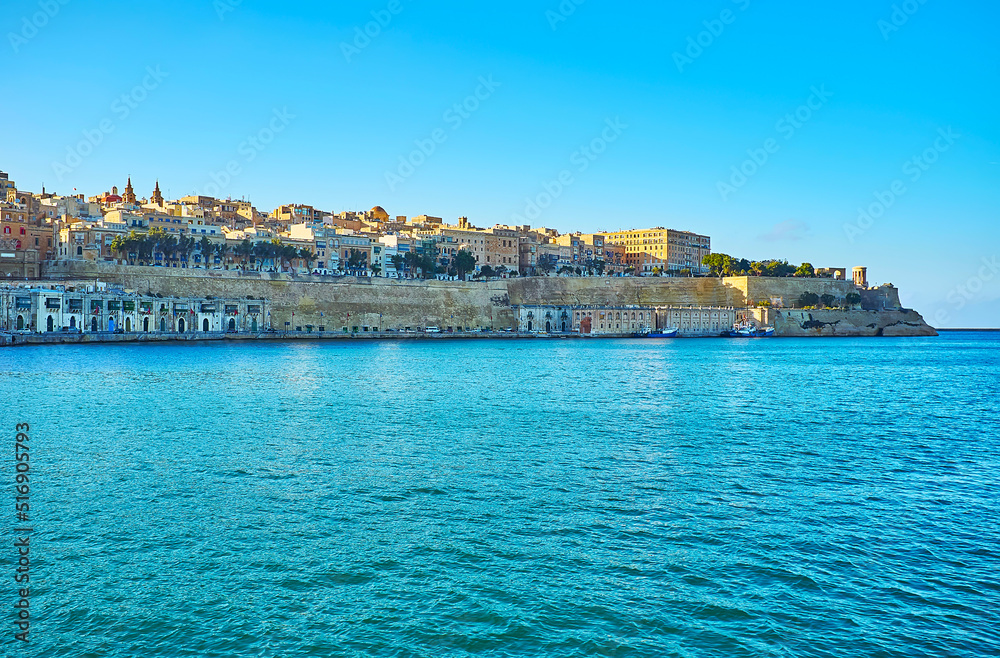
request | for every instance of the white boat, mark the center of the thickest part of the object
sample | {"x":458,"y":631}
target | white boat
{"x":667,"y":332}
{"x":749,"y":329}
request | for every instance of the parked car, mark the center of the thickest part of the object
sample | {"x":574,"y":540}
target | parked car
{"x":433,"y":330}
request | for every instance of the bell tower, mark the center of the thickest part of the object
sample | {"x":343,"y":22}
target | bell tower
{"x":157,"y":197}
{"x":129,"y":196}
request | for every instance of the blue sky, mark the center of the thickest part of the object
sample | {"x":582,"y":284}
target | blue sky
{"x":301,"y":109}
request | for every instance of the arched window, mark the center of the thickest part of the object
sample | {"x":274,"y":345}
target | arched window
{"x":6,"y":230}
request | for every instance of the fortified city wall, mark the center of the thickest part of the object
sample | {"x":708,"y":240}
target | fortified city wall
{"x":388,"y":303}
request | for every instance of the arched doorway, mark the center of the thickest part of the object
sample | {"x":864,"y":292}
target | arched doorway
{"x":204,"y":325}
{"x":253,"y":327}
{"x":585,"y":325}
{"x":20,"y":322}
{"x":49,"y":324}
{"x":111,"y":325}
{"x":529,"y":325}
{"x":163,"y":325}
{"x":72,"y":323}
{"x":93,"y":324}
{"x":145,"y":325}
{"x":180,"y":326}
{"x":564,"y":326}
{"x":548,"y":327}
{"x":128,"y":325}
{"x":232,"y":324}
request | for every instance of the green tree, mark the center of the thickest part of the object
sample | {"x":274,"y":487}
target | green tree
{"x":243,"y":251}
{"x":427,"y":266}
{"x":168,"y":247}
{"x":118,"y":246}
{"x":726,"y":265}
{"x":464,"y":262}
{"x":307,"y":256}
{"x":805,"y":269}
{"x":357,"y":260}
{"x":808,"y":299}
{"x":412,"y":260}
{"x":827,"y":300}
{"x":852,"y":299}
{"x":397,"y":262}
{"x":222,"y":250}
{"x":206,"y":249}
{"x":185,"y":246}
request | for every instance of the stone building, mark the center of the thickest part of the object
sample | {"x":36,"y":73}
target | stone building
{"x":664,"y":249}
{"x":98,"y":311}
{"x":618,"y":320}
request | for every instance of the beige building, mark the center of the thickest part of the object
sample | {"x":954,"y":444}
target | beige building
{"x":665,"y":249}
{"x":627,"y":320}
{"x":94,"y":309}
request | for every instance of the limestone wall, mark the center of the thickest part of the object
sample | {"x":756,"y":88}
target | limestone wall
{"x":333,"y":302}
{"x":623,"y":290}
{"x":336,"y":302}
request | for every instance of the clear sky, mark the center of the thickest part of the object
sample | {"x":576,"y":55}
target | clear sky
{"x":643,"y":110}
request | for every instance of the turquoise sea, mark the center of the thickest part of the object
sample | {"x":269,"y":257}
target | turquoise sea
{"x":782,"y":497}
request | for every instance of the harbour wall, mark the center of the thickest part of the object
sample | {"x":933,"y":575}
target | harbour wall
{"x":337,"y":302}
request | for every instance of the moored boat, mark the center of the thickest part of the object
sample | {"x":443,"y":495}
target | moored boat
{"x":750,"y":330}
{"x":667,"y":332}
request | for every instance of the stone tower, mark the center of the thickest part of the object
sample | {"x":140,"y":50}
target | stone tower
{"x":860,"y":276}
{"x":129,"y":196}
{"x":157,"y":197}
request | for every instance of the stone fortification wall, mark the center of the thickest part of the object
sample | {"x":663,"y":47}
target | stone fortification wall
{"x":622,"y":291}
{"x":333,"y":302}
{"x":390,"y":304}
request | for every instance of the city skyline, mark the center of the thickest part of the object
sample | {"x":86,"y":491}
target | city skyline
{"x":859,"y":134}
